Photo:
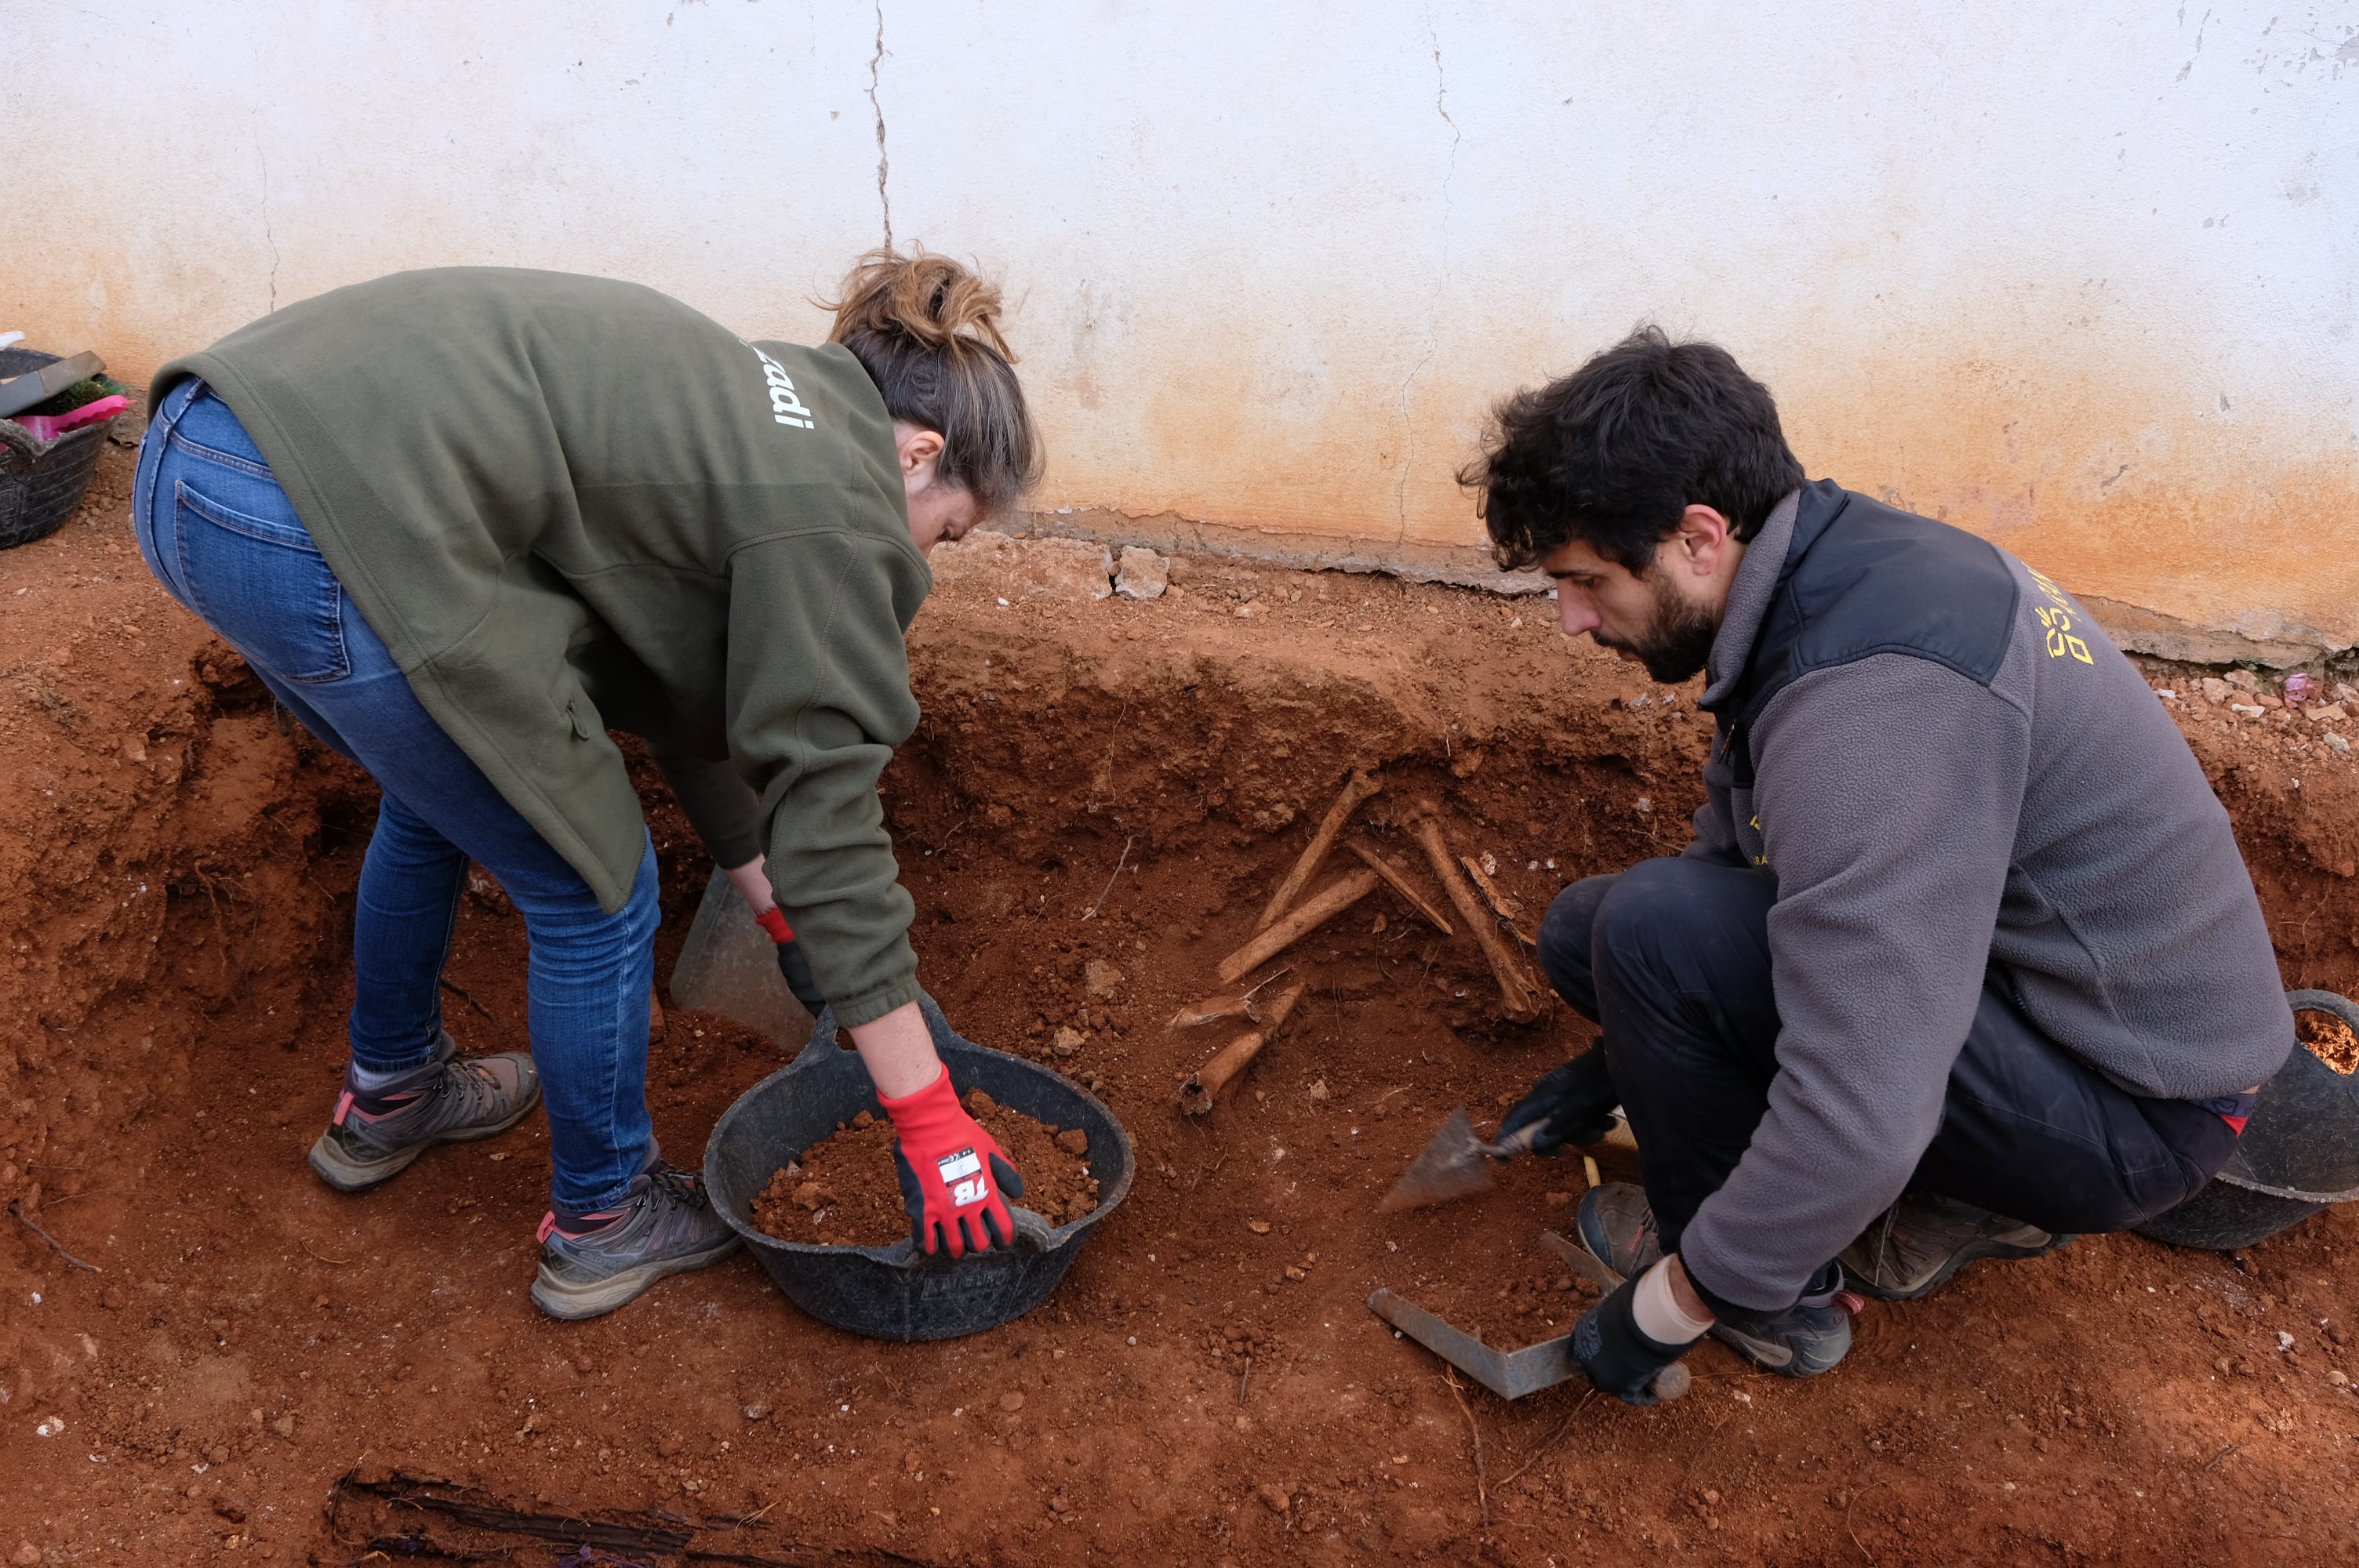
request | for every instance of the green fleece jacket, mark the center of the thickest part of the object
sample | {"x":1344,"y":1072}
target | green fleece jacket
{"x":568,"y":504}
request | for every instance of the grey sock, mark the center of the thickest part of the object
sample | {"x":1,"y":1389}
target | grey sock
{"x":366,"y":1080}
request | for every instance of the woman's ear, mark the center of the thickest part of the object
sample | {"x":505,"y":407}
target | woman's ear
{"x":919,"y":449}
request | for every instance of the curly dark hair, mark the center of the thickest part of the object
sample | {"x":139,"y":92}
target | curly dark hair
{"x":1613,"y":453}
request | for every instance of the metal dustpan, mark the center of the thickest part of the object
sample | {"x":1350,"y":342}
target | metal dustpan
{"x":1512,"y":1374}
{"x":729,"y":965}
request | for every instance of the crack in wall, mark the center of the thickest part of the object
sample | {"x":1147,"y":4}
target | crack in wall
{"x":1433,"y":325}
{"x":262,"y":159}
{"x":884,"y":164}
{"x":269,"y":232}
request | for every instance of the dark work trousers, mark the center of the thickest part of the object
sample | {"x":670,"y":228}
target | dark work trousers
{"x":1672,"y":959}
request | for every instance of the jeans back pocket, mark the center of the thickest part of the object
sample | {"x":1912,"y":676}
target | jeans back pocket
{"x":263,"y":584}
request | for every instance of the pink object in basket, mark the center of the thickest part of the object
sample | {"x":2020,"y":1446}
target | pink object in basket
{"x":50,"y":427}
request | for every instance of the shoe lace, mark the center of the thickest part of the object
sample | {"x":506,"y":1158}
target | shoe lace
{"x":1884,"y":1239}
{"x":475,"y":1084}
{"x":669,"y":1182}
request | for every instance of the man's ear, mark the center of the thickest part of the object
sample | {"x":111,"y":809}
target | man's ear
{"x":1703,"y":537}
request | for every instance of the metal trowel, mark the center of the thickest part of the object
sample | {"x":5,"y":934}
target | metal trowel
{"x":1457,"y":1164}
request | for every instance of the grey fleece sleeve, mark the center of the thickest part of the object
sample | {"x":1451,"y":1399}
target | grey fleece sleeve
{"x":1887,"y":791}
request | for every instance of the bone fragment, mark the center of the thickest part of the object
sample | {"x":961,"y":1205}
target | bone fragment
{"x":1518,"y":995}
{"x":1508,"y":906}
{"x":1398,"y":880}
{"x":1212,"y":1080}
{"x":1356,"y":788}
{"x":1325,"y":905}
{"x":1228,"y":1004}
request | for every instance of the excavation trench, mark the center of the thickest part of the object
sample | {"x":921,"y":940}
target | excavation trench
{"x":1091,"y":817}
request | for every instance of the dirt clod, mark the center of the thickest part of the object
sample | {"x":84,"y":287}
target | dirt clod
{"x":2329,"y":1039}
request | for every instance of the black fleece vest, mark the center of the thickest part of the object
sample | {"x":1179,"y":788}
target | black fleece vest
{"x":1863,"y":579}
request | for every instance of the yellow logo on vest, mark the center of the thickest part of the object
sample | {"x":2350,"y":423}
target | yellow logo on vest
{"x":2056,"y":618}
{"x":1758,"y":860}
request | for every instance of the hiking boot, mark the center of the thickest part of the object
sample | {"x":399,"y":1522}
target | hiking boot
{"x":375,"y":1134}
{"x":592,"y":1263}
{"x":1616,"y":1224}
{"x":1924,"y":1238}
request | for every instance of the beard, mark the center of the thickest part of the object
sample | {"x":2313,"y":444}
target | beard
{"x":1678,"y":637}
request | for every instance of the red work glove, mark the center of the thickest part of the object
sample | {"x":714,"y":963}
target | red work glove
{"x":952,"y":1173}
{"x":791,"y":962}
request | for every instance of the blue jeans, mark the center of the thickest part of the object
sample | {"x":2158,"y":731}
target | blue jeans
{"x":223,"y":538}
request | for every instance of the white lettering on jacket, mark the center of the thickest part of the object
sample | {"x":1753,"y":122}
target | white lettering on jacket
{"x":785,"y":406}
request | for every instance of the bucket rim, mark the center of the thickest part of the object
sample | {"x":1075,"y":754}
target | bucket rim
{"x":904,"y":1253}
{"x":2236,"y":1172}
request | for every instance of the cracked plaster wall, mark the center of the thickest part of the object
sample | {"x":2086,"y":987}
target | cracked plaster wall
{"x":2081,"y":281}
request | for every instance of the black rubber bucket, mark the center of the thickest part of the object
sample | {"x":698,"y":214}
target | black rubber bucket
{"x":41,"y":482}
{"x":897,"y":1292}
{"x":2299,"y":1152}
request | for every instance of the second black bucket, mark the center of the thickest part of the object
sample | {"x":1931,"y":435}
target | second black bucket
{"x":41,"y":482}
{"x":896,"y":1291}
{"x":2299,"y":1152}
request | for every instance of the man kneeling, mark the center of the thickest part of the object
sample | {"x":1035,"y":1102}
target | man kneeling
{"x":1963,"y":919}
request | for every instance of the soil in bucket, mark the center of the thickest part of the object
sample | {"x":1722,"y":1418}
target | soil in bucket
{"x":844,"y":1191}
{"x":2329,"y":1039}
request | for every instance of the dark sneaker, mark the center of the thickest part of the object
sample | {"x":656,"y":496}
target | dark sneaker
{"x":1616,"y":1224}
{"x":451,"y":1099}
{"x":1924,"y":1238}
{"x":592,"y":1263}
{"x":1804,"y":1340}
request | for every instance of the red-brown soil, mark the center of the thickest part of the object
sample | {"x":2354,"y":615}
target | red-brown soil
{"x":843,"y":1191}
{"x":2329,"y":1039}
{"x":179,"y":872}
